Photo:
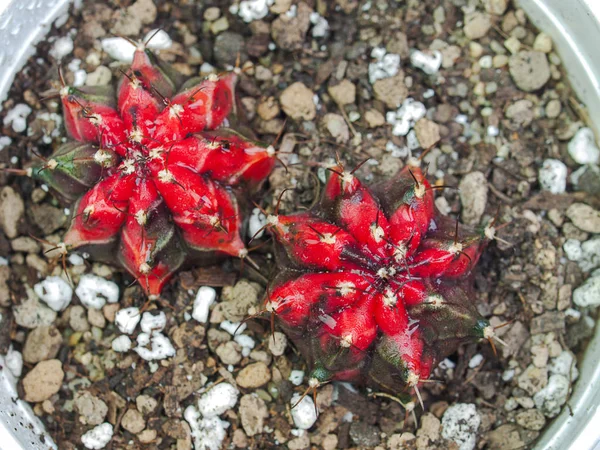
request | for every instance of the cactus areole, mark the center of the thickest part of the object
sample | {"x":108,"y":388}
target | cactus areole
{"x":153,"y":169}
{"x":376,"y":283}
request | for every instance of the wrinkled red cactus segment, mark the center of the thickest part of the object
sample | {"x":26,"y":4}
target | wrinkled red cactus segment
{"x":375,"y":283}
{"x":155,"y":173}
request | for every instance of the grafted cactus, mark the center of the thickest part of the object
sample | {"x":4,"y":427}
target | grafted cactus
{"x":154,"y":171}
{"x":375,"y":283}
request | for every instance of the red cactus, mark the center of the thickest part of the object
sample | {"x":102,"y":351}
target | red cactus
{"x":155,"y":172}
{"x":376,"y":283}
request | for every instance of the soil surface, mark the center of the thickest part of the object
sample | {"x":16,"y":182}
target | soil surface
{"x":359,"y":79}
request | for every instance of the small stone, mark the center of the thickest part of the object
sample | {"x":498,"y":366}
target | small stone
{"x":533,"y":379}
{"x":343,"y":93}
{"x":25,"y":244}
{"x":254,"y":375}
{"x":549,"y":321}
{"x":477,"y":25}
{"x":133,"y":421}
{"x":78,"y":318}
{"x":521,"y":113}
{"x":289,"y":33}
{"x":505,"y":437}
{"x":374,"y":118}
{"x":147,"y":436}
{"x":229,"y":353}
{"x":473,"y":196}
{"x":588,"y":294}
{"x":529,"y":70}
{"x":99,"y":77}
{"x":268,"y":108}
{"x":330,"y":442}
{"x":227,"y":47}
{"x":92,"y":410}
{"x":553,"y":176}
{"x":364,"y":435}
{"x":96,"y":318}
{"x":32,"y":314}
{"x":543,"y":43}
{"x":42,"y":343}
{"x":553,"y":109}
{"x":146,"y":404}
{"x":43,"y":381}
{"x":11,"y":211}
{"x":337,"y":127}
{"x":497,"y":7}
{"x":429,"y":431}
{"x":392,"y":90}
{"x":211,"y":14}
{"x":582,"y":148}
{"x":460,"y":423}
{"x":219,"y":25}
{"x":47,"y":217}
{"x":277,"y":343}
{"x":236,"y":300}
{"x":551,"y":399}
{"x":253,"y":412}
{"x":428,"y":133}
{"x":584,"y":217}
{"x":297,"y":102}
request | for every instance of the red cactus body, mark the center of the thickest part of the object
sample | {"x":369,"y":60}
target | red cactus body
{"x":155,"y":172}
{"x":375,"y":283}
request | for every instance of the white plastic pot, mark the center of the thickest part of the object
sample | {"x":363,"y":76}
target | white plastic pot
{"x":575,"y":28}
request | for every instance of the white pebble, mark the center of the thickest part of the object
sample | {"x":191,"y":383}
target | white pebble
{"x":583,"y":148}
{"x":475,"y":361}
{"x":486,"y":62}
{"x":55,"y":292}
{"x":152,"y":323}
{"x":590,"y":254}
{"x":460,"y":423}
{"x":232,"y":328}
{"x":95,"y":291}
{"x":160,"y":347}
{"x":588,"y":294}
{"x":296,"y":377}
{"x":158,"y":40}
{"x":553,"y":176}
{"x":62,"y":47}
{"x":5,"y":141}
{"x":98,"y":437}
{"x":204,"y":298}
{"x":17,"y":117}
{"x":118,"y":48}
{"x":76,"y":259}
{"x":303,"y":414}
{"x":121,"y":344}
{"x":550,"y":399}
{"x":385,"y":65}
{"x":246,"y":342}
{"x":217,"y":399}
{"x":320,"y":25}
{"x":406,"y":116}
{"x":127,"y":319}
{"x":255,"y":223}
{"x":564,"y":364}
{"x":429,"y":63}
{"x":3,"y":261}
{"x":14,"y":362}
{"x":493,"y":131}
{"x":208,"y":432}
{"x":251,"y":10}
{"x":572,"y":248}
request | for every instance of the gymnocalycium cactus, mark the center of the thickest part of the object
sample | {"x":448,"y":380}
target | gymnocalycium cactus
{"x":376,"y":282}
{"x":154,"y":171}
